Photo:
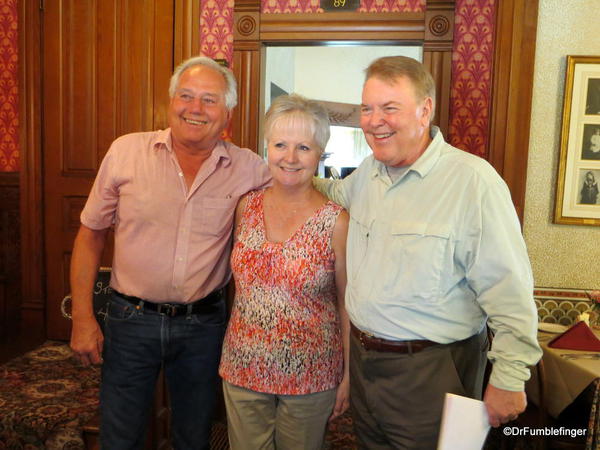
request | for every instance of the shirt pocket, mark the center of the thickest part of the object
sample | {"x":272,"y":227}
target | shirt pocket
{"x":419,"y":254}
{"x":358,"y":241}
{"x":216,"y":215}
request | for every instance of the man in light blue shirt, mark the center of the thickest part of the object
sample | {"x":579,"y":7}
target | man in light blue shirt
{"x":434,"y":253}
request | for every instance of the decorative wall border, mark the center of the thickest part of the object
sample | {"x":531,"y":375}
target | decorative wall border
{"x":560,"y":305}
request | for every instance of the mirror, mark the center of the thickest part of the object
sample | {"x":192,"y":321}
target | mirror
{"x":334,"y":75}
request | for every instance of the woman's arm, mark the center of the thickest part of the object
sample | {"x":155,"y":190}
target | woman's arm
{"x":340,"y":231}
{"x":239,"y":212}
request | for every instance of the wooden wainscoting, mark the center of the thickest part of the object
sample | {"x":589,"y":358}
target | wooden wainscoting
{"x":10,"y":276}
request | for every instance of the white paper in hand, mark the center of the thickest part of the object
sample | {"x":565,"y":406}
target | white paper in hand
{"x":465,"y":424}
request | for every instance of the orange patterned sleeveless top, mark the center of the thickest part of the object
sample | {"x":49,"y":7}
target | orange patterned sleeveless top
{"x":284,"y":333}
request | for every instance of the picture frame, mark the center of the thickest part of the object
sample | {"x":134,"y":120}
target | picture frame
{"x":578,"y":180}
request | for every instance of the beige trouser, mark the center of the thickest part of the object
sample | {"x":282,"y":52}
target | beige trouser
{"x":257,"y":421}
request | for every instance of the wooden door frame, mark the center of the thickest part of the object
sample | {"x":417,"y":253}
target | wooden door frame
{"x":509,"y":119}
{"x":434,"y":29}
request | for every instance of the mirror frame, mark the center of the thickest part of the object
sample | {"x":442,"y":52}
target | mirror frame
{"x":253,"y":30}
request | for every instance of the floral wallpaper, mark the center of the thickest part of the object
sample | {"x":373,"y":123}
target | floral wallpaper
{"x":392,"y":6}
{"x":216,"y":29}
{"x":472,"y":57}
{"x":9,"y":98}
{"x":313,"y":6}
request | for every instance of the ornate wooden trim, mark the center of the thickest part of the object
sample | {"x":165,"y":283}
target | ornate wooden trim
{"x":31,"y":198}
{"x":252,"y":29}
{"x":439,"y":25}
{"x":187,"y":31}
{"x":439,"y":64}
{"x":246,"y":67}
{"x":512,"y":90}
{"x":246,"y":26}
{"x":347,"y":26}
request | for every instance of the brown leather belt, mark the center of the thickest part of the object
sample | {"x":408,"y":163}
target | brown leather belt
{"x":370,"y":342}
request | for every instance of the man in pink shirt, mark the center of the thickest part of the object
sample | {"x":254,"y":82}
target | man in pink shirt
{"x":170,"y":196}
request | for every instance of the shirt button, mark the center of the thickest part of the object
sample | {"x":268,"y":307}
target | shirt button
{"x":180,"y":259}
{"x":180,"y":174}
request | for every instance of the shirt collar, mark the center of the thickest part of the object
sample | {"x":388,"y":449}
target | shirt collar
{"x":222,"y":149}
{"x":431,"y":155}
{"x":425,"y":162}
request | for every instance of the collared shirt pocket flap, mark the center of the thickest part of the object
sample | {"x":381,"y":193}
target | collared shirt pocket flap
{"x":422,"y":229}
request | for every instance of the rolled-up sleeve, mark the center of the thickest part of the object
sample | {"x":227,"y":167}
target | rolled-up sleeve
{"x":499,"y":272}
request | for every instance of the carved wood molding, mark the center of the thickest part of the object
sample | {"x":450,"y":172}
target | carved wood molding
{"x":439,"y":26}
{"x":434,"y":28}
{"x":187,"y":32}
{"x":512,"y":90}
{"x":342,"y":26}
{"x":31,"y":200}
{"x":246,"y":25}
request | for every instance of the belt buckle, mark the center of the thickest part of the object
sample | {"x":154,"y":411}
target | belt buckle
{"x":169,"y":309}
{"x":364,"y":335}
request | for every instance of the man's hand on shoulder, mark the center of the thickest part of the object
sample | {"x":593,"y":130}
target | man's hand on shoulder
{"x":502,"y":405}
{"x":87,"y":341}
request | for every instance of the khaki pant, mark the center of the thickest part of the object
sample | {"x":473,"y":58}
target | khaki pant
{"x":258,"y":421}
{"x":397,"y":398}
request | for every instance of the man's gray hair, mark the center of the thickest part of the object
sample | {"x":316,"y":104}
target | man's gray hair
{"x":230,"y":92}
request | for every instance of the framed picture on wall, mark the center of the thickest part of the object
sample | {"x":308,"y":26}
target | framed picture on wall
{"x":577,"y":195}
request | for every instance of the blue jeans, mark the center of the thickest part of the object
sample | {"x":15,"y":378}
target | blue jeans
{"x":137,"y":345}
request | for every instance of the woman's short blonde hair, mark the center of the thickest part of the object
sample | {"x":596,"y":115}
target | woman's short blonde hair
{"x":390,"y":68}
{"x":297,"y":108}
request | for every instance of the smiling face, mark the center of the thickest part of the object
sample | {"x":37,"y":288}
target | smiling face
{"x":197,"y":112}
{"x":293,"y":155}
{"x":395,"y":122}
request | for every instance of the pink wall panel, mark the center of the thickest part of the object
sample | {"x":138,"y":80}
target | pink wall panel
{"x":290,"y":6}
{"x":392,"y":6}
{"x":9,"y":98}
{"x":216,"y":29}
{"x":472,"y":58}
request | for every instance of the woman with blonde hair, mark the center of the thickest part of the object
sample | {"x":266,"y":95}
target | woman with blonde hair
{"x":285,"y":356}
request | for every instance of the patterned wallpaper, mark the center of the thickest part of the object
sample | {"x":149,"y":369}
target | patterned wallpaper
{"x":290,"y":6}
{"x":313,"y":6}
{"x":472,"y":57}
{"x":392,"y":6}
{"x":9,"y":98}
{"x":216,"y":29}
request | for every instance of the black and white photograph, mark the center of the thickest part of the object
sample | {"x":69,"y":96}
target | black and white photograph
{"x":588,"y":191}
{"x":579,"y":160}
{"x":590,"y":148}
{"x":592,"y":104}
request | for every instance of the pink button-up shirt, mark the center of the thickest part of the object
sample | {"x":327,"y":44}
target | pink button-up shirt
{"x":171,"y":244}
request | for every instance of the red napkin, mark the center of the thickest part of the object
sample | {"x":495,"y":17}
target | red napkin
{"x":578,"y":337}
